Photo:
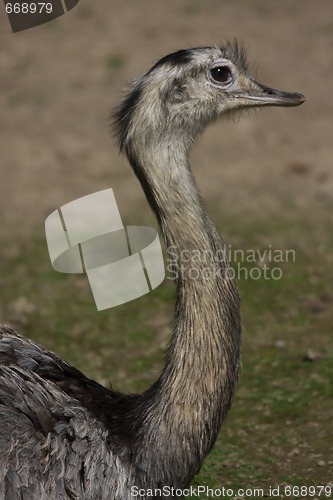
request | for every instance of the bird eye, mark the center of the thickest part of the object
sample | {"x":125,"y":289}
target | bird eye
{"x":221,"y":74}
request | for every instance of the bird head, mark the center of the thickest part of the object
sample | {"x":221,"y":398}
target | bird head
{"x":186,"y":90}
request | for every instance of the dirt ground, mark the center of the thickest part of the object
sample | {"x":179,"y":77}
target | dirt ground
{"x":60,"y":81}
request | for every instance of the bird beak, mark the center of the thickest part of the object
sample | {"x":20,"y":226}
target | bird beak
{"x":265,"y":96}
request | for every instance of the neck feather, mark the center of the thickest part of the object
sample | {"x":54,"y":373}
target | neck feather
{"x":188,"y":403}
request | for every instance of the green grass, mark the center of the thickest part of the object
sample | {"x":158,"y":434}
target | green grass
{"x":279,"y":430}
{"x":114,"y":63}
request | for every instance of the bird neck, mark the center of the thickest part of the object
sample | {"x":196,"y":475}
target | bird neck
{"x":194,"y":392}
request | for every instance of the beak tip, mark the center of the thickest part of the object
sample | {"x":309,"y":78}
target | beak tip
{"x":299,"y":99}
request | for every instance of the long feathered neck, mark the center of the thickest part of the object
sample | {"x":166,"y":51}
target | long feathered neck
{"x":184,"y":409}
{"x":182,"y":412}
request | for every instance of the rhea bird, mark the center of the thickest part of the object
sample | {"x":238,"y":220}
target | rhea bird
{"x":63,"y":436}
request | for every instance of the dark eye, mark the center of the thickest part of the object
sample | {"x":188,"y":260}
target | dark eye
{"x":221,"y":74}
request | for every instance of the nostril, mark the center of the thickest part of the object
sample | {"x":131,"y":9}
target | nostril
{"x":266,"y":90}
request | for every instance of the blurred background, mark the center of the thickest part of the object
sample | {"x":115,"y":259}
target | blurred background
{"x":266,"y":179}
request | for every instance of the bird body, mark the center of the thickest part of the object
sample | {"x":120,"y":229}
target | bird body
{"x":65,"y":436}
